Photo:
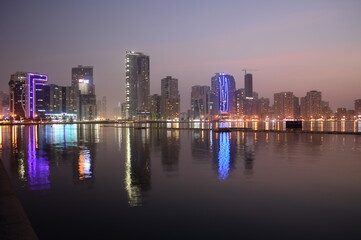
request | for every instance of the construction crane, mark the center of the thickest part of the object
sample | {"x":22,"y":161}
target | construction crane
{"x":245,"y":70}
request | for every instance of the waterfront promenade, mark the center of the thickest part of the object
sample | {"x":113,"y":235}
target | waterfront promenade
{"x":14,"y":224}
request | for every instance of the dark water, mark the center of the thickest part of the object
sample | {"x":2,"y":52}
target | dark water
{"x":104,"y":182}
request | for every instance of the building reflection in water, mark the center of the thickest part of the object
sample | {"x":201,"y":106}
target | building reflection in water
{"x":137,"y":164}
{"x":224,"y":155}
{"x":201,"y":145}
{"x":170,"y":145}
{"x":38,"y":165}
{"x":249,"y":151}
{"x":32,"y":165}
{"x":34,"y":149}
{"x":84,"y":164}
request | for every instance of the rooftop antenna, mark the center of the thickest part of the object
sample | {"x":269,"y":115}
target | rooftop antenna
{"x":250,"y":70}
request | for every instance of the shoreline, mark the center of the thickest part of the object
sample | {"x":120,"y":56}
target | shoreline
{"x":14,"y":223}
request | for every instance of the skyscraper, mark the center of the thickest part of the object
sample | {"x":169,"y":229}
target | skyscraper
{"x":200,"y":100}
{"x":223,"y":89}
{"x":358,"y":106}
{"x":248,"y":85}
{"x":27,"y":94}
{"x":284,"y":105}
{"x":4,"y":104}
{"x":82,"y":81}
{"x":155,"y":109}
{"x":170,"y":99}
{"x":104,"y":111}
{"x":137,"y":89}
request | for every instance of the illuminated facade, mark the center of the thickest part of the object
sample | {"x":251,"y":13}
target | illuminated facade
{"x":223,"y":89}
{"x":284,"y":105}
{"x":358,"y":106}
{"x":155,"y":103}
{"x":137,"y":89}
{"x":27,"y":95}
{"x":85,"y":99}
{"x":311,"y":105}
{"x":170,"y":99}
{"x":4,"y":104}
{"x":200,"y":100}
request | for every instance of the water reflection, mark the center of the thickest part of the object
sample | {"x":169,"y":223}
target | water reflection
{"x":36,"y":151}
{"x":38,"y":164}
{"x":224,"y":149}
{"x":249,"y":151}
{"x":170,"y":144}
{"x":137,"y":165}
{"x":224,"y":155}
{"x":84,"y":164}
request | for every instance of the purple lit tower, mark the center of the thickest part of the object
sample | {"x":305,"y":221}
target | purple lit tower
{"x":27,"y":95}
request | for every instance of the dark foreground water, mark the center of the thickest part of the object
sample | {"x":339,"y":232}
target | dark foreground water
{"x":105,"y":182}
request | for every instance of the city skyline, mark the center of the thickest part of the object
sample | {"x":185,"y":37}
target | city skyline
{"x":295,"y":47}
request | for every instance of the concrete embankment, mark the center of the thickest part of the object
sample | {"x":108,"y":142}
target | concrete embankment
{"x":14,"y":224}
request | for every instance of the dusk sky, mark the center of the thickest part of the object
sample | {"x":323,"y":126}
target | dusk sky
{"x":295,"y":46}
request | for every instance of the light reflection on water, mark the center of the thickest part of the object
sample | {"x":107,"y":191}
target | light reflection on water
{"x":223,"y":155}
{"x":168,"y":174}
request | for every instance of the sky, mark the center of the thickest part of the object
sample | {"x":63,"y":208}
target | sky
{"x":287,"y":45}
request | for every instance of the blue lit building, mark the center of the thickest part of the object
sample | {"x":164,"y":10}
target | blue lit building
{"x":223,"y":100}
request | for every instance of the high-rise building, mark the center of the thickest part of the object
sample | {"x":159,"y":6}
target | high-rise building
{"x":296,"y":107}
{"x":223,"y":101}
{"x":240,"y":102}
{"x":104,"y":112}
{"x":263,"y":107}
{"x":313,"y":104}
{"x":200,"y":100}
{"x":27,"y":95}
{"x":137,"y":89}
{"x":82,"y":81}
{"x":170,"y":99}
{"x":155,"y":109}
{"x":341,"y":113}
{"x":248,"y":86}
{"x":325,"y":110}
{"x":53,"y":99}
{"x":358,"y":106}
{"x":4,"y":104}
{"x":284,"y":105}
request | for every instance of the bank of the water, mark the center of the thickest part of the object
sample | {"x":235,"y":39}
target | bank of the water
{"x":14,"y":223}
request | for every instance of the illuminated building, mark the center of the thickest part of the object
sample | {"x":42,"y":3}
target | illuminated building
{"x":311,"y":105}
{"x":296,"y":107}
{"x":200,"y":100}
{"x":60,"y":100}
{"x":325,"y":109}
{"x":4,"y":104}
{"x":104,"y":112}
{"x":263,"y":107}
{"x":341,"y":113}
{"x":27,"y":95}
{"x":170,"y":99}
{"x":223,"y":89}
{"x":284,"y":105}
{"x":137,"y":89}
{"x":155,"y":102}
{"x":358,"y":106}
{"x":82,"y":81}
